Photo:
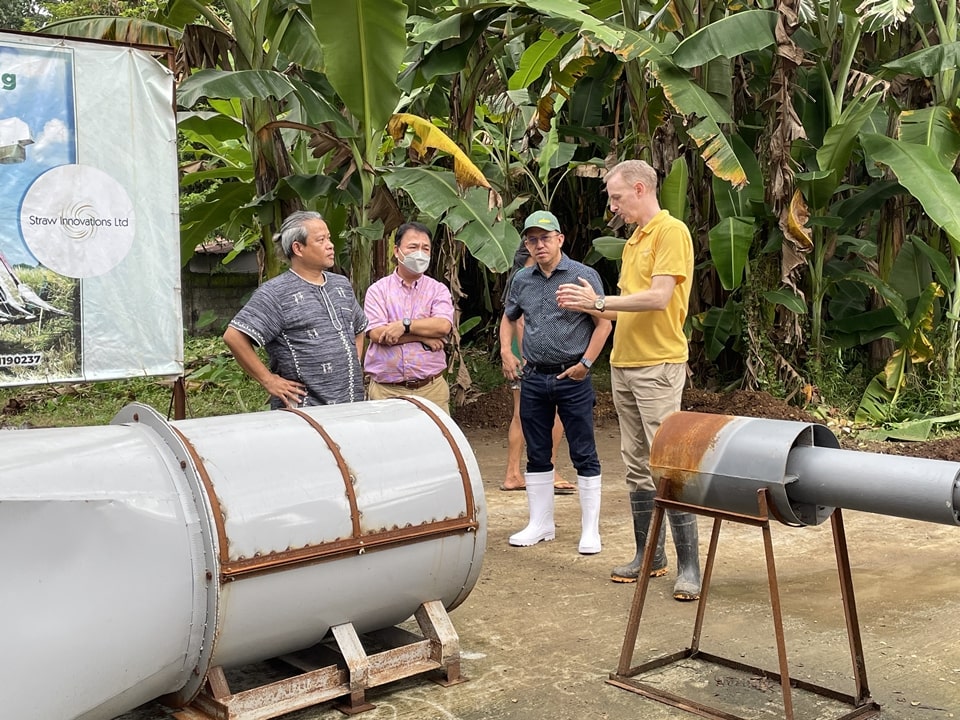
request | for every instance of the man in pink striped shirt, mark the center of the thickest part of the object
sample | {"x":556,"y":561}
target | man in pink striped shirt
{"x":410,"y":315}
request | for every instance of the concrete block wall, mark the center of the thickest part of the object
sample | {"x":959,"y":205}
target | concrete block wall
{"x":222,"y":293}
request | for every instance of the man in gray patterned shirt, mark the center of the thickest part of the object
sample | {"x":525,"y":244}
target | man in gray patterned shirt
{"x":307,"y":319}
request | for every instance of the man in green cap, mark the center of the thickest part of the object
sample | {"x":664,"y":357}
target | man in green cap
{"x":559,"y":346}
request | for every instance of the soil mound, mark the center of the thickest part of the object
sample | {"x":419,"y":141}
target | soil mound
{"x":493,"y":410}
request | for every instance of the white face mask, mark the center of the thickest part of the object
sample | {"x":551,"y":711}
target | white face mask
{"x":416,"y":262}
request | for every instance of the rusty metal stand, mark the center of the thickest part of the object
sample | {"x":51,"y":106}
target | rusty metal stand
{"x":178,"y":400}
{"x":625,"y":675}
{"x":406,"y":655}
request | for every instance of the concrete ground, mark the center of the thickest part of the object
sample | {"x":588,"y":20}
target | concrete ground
{"x":543,"y":628}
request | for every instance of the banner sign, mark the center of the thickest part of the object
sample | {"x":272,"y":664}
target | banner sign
{"x":89,"y":220}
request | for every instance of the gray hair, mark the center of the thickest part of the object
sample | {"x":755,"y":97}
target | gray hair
{"x":293,"y":230}
{"x":634,"y":171}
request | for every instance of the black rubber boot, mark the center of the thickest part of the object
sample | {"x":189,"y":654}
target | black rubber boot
{"x":641,"y":506}
{"x":683,"y":527}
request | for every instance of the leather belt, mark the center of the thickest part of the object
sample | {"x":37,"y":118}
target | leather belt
{"x":412,"y":384}
{"x":551,"y":369}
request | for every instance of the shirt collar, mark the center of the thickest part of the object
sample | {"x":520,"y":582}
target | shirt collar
{"x":642,"y":232}
{"x":402,"y":283}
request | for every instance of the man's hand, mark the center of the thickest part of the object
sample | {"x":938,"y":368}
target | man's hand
{"x":511,"y":365}
{"x":576,"y":372}
{"x":392,"y":333}
{"x":290,"y":392}
{"x":432,"y":344}
{"x":578,"y":296}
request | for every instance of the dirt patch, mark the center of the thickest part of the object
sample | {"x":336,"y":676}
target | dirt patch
{"x":493,"y":410}
{"x":940,"y":449}
{"x":746,"y":403}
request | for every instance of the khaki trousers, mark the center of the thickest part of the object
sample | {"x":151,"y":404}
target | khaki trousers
{"x":437,"y":392}
{"x":643,"y":397}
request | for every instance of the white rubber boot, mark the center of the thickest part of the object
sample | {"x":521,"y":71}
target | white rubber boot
{"x":540,"y":502}
{"x":589,"y":488}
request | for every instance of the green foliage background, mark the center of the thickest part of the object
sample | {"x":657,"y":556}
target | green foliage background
{"x":813,"y":155}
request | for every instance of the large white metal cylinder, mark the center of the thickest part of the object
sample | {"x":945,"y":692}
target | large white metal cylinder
{"x":102,"y":568}
{"x":148,"y":552}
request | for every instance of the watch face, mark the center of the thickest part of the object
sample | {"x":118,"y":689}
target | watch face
{"x":600,"y":303}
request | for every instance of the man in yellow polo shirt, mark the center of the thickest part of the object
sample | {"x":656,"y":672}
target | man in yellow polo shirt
{"x":649,"y":358}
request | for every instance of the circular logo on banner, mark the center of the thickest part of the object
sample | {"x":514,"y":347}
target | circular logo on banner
{"x":77,"y":220}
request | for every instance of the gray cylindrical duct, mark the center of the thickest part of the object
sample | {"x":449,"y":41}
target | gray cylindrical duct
{"x":907,"y":487}
{"x":164,"y":549}
{"x":723,"y":462}
{"x":720,"y":461}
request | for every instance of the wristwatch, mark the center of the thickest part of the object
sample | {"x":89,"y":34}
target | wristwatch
{"x":406,"y":325}
{"x":600,"y":303}
{"x":586,"y":363}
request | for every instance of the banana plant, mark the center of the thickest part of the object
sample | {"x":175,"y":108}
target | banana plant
{"x":879,"y":401}
{"x":251,"y":39}
{"x":815,"y":237}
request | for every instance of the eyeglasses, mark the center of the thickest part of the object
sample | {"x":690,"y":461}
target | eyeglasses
{"x":532,"y":242}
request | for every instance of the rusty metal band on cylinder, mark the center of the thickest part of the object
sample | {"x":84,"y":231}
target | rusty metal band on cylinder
{"x":231,"y":570}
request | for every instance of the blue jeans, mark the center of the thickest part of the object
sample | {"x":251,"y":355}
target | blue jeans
{"x":543,"y":396}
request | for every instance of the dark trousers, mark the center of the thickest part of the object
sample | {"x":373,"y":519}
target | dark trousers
{"x":541,"y":397}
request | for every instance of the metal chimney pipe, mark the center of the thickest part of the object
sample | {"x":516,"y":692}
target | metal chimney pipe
{"x":722,"y":461}
{"x":140,"y":555}
{"x":906,"y":487}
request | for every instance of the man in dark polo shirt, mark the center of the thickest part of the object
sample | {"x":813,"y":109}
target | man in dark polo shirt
{"x":559,"y":346}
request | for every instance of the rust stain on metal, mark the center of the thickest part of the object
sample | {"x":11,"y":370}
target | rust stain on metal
{"x":216,"y":509}
{"x":455,"y":449}
{"x":679,"y":447}
{"x":684,"y":438}
{"x":341,"y":463}
{"x":344,"y":548}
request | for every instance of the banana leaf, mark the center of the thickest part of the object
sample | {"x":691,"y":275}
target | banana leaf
{"x":921,"y":172}
{"x":730,"y":242}
{"x":363,"y":45}
{"x":727,"y":37}
{"x":490,"y":240}
{"x":937,"y":127}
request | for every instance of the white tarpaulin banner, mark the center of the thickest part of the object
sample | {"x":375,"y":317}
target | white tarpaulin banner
{"x":89,"y":225}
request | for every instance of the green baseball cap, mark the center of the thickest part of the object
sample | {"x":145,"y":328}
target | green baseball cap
{"x":542,"y":219}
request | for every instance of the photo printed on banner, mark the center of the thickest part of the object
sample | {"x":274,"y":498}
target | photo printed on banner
{"x":40,"y":322}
